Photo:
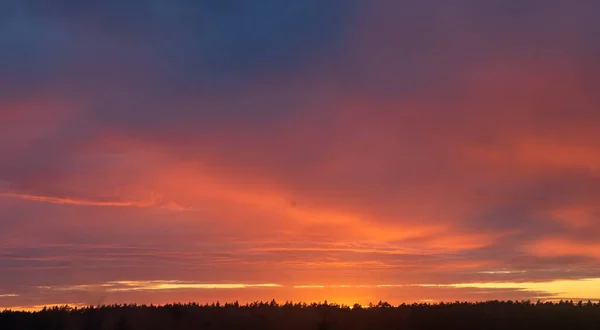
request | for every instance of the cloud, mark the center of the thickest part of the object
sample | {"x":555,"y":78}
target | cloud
{"x":85,"y":202}
{"x":59,"y":200}
{"x":564,"y":247}
{"x":118,"y":286}
{"x":388,"y":141}
{"x":4,"y":295}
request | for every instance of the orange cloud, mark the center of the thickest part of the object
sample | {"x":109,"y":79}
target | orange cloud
{"x":564,"y":247}
{"x":384,"y":167}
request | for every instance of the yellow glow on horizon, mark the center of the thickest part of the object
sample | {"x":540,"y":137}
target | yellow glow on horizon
{"x":566,"y":289}
{"x":348,"y":294}
{"x":36,"y":308}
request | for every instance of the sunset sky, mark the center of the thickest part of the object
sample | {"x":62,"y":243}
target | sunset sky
{"x":305,"y":150}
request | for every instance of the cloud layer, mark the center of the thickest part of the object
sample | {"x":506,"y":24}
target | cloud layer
{"x":342,"y":145}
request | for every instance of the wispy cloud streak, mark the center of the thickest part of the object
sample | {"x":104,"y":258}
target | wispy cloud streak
{"x":73,"y":201}
{"x":155,"y":285}
{"x":89,"y":202}
{"x":6,"y":295}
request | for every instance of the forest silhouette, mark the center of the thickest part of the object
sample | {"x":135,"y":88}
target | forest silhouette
{"x":512,"y":315}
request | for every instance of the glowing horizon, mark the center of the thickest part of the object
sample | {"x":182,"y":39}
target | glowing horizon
{"x":577,"y":290}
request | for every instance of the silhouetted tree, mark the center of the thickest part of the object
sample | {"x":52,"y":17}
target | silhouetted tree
{"x":513,"y":315}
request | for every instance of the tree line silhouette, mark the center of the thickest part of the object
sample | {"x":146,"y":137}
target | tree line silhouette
{"x":513,"y":315}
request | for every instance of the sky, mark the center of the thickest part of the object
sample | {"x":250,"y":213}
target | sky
{"x":344,"y":150}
